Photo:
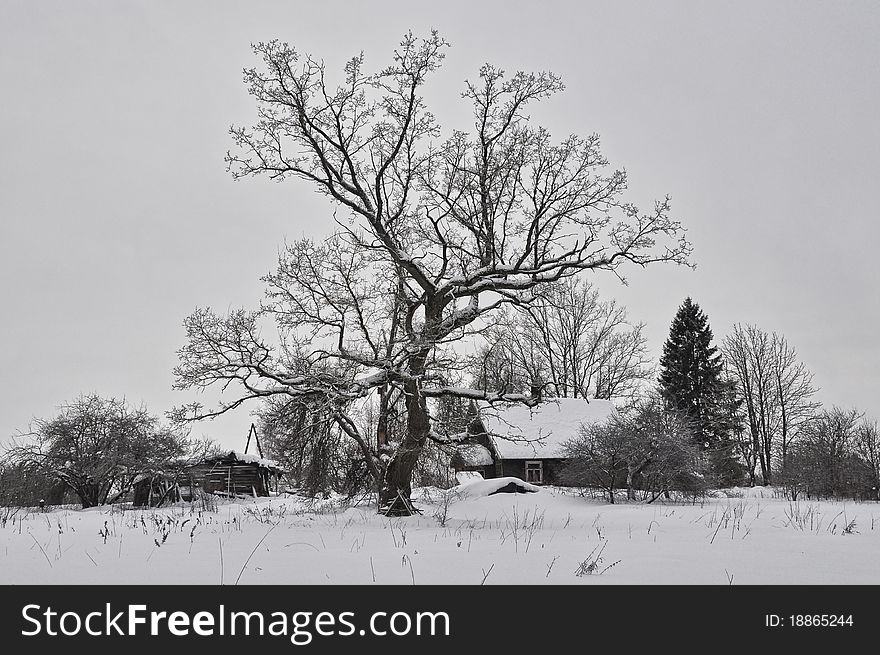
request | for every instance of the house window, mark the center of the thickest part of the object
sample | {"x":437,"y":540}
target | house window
{"x":535,"y":472}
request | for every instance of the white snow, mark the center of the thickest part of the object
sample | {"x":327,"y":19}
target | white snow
{"x":743,"y":536}
{"x":540,"y":431}
{"x":463,"y":477}
{"x":474,"y":454}
{"x":479,"y":488}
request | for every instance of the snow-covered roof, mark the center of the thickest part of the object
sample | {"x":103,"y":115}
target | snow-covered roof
{"x":253,"y":459}
{"x":539,"y":432}
{"x":474,"y":454}
{"x":250,"y":458}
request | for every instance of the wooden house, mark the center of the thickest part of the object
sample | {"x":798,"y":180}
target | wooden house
{"x":526,"y":442}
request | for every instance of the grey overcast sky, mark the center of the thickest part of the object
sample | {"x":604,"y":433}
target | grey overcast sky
{"x":760,"y":119}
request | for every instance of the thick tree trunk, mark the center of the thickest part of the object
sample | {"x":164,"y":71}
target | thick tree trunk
{"x":398,"y":473}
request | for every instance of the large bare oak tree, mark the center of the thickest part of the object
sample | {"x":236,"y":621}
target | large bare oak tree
{"x":430,"y":236}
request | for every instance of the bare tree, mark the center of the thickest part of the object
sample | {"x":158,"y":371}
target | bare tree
{"x":866,"y":444}
{"x":598,"y":457}
{"x":825,"y":460}
{"x":568,"y":340}
{"x":433,"y":237}
{"x":776,"y":390}
{"x":97,"y":447}
{"x":648,"y":448}
{"x":309,"y":446}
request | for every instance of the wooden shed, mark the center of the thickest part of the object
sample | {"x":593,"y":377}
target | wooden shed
{"x":228,"y":474}
{"x":235,"y":474}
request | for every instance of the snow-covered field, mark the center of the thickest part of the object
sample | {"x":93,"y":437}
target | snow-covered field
{"x":554,"y":536}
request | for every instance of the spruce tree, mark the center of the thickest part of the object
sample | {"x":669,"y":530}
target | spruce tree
{"x":691,"y":382}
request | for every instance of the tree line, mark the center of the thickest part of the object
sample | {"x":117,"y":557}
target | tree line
{"x":741,"y":413}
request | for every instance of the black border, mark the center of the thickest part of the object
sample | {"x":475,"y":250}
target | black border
{"x":543,"y":619}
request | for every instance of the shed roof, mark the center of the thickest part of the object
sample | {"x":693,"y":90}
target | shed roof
{"x":235,"y":456}
{"x":521,"y":432}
